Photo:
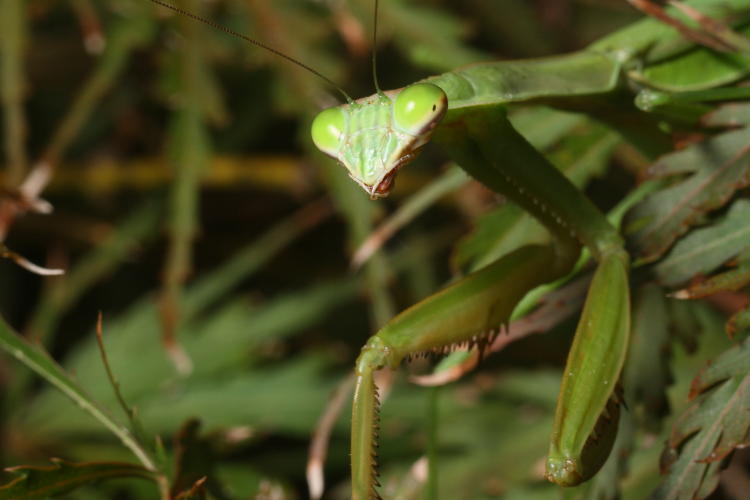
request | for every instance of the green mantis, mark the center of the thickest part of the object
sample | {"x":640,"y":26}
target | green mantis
{"x":483,"y":142}
{"x":465,"y":112}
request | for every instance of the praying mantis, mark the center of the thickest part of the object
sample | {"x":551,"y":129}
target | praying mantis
{"x":465,"y":112}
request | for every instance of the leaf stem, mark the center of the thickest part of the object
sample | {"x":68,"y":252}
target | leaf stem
{"x":42,"y":364}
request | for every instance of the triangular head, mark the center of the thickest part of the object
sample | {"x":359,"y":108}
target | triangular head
{"x":375,"y":136}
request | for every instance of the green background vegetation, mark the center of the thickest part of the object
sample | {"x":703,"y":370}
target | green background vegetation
{"x":191,"y":210}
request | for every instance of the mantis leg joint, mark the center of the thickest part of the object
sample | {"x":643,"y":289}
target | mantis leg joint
{"x":376,"y":354}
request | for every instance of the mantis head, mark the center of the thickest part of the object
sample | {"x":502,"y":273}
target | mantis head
{"x":375,"y":136}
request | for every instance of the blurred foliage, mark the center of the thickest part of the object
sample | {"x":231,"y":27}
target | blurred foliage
{"x":191,"y":210}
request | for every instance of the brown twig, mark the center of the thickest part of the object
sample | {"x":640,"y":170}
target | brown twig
{"x":700,"y":37}
{"x":25,"y":263}
{"x":91,"y":27}
{"x":448,"y":182}
{"x":112,"y":62}
{"x":714,"y":27}
{"x":129,"y":412}
{"x":191,"y":145}
{"x":351,"y":30}
{"x":322,"y":435}
{"x":135,"y":426}
{"x":12,"y":46}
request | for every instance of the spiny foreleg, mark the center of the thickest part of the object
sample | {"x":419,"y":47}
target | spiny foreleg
{"x":471,"y":310}
{"x":587,"y":411}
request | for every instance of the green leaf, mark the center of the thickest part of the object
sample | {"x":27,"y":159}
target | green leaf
{"x":716,"y":423}
{"x":717,"y":167}
{"x":213,"y":346}
{"x":45,"y":366}
{"x":282,"y":398}
{"x":210,"y":339}
{"x":679,"y":74}
{"x":497,"y":233}
{"x":739,"y":322}
{"x":705,"y":249}
{"x":40,"y":482}
{"x":732,"y":114}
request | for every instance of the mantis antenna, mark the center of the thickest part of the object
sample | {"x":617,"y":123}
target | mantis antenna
{"x":374,"y":48}
{"x":257,"y":43}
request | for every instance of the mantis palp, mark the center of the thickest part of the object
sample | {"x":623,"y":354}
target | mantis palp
{"x":465,"y":112}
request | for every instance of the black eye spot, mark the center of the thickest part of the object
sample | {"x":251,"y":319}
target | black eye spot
{"x":434,"y":107}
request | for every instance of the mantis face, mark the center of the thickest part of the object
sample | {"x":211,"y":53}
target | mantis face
{"x":377,"y":135}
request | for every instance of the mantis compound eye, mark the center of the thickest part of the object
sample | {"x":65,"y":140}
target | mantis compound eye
{"x":328,"y":130}
{"x":419,"y":108}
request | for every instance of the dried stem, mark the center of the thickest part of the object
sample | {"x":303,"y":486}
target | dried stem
{"x":189,"y":148}
{"x":12,"y":45}
{"x":322,"y":435}
{"x":707,"y":39}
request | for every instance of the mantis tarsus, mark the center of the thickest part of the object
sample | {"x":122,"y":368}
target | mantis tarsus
{"x":465,"y":112}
